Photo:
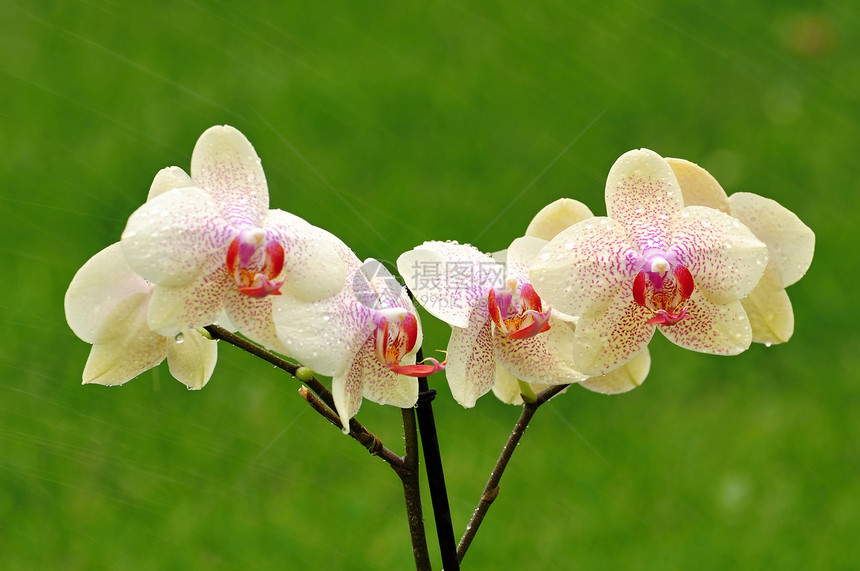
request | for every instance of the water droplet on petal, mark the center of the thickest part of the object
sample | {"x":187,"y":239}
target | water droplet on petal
{"x":180,"y":337}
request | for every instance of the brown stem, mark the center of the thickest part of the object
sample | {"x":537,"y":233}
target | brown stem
{"x":409,"y":476}
{"x":491,"y":490}
{"x":323,"y":402}
{"x":367,"y":439}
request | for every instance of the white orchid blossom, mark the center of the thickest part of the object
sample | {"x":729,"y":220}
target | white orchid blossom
{"x":497,"y":319}
{"x":365,"y":337}
{"x":106,"y":305}
{"x":651,"y":263}
{"x":210,"y":244}
{"x":790,"y":244}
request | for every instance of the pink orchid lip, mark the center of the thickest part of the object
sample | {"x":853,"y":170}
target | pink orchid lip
{"x":394,"y":337}
{"x":662,"y":293}
{"x":420,"y":369}
{"x":517,"y":320}
{"x":253,"y":266}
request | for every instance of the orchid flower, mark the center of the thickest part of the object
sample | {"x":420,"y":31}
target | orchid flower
{"x":652,"y":263}
{"x":210,"y":244}
{"x":106,"y":305}
{"x":365,"y":337}
{"x":789,"y":241}
{"x":497,"y":319}
{"x":546,"y":225}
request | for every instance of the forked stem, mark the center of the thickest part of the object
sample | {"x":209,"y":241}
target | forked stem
{"x":406,"y":467}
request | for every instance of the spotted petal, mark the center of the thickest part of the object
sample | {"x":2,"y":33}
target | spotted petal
{"x":643,"y":195}
{"x":197,"y":304}
{"x":710,"y":328}
{"x":725,"y":259}
{"x":449,"y":279}
{"x":607,"y":340}
{"x":582,"y":269}
{"x":225,"y":164}
{"x":383,"y":386}
{"x":172,"y":237}
{"x":471,"y":363}
{"x":545,"y":359}
{"x":325,"y":335}
{"x":252,"y":316}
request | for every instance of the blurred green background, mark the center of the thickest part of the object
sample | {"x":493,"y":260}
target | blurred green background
{"x":390,"y":124}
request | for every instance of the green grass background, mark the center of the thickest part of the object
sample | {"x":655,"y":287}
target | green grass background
{"x":390,"y":124}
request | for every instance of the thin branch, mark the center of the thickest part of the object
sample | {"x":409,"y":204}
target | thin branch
{"x":491,"y":490}
{"x":356,"y":430}
{"x":409,"y":476}
{"x":406,"y":467}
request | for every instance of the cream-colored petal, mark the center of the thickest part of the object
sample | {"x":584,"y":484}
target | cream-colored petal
{"x":521,"y":254}
{"x":191,"y":358}
{"x":325,"y":335}
{"x":471,"y":363}
{"x":557,"y":216}
{"x":167,"y":179}
{"x":171,"y":238}
{"x":582,"y":269}
{"x":253,"y":318}
{"x":347,"y":389}
{"x":605,"y":341}
{"x":506,"y":387}
{"x":698,"y":186}
{"x":545,"y":359}
{"x":313,"y":267}
{"x":769,"y":310}
{"x":725,"y":259}
{"x":450,"y":279}
{"x":710,"y":328}
{"x":225,"y":164}
{"x":102,"y":282}
{"x":124,"y":347}
{"x":623,"y":379}
{"x":382,"y":386}
{"x":643,"y":195}
{"x":790,"y":242}
{"x":197,"y":304}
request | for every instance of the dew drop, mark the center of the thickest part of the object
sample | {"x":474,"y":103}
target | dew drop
{"x":768,"y":344}
{"x":180,"y":337}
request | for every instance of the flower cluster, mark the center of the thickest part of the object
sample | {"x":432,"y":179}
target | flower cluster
{"x":206,"y":249}
{"x":575,"y":300}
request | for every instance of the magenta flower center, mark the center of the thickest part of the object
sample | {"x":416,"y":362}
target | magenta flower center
{"x":517,"y":310}
{"x":254,"y":263}
{"x":664,"y":292}
{"x":395,"y":337}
